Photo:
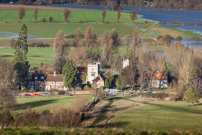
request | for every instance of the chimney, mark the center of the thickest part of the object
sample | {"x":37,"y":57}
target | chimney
{"x":54,"y":73}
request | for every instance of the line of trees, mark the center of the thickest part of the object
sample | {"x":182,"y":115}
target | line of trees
{"x":113,"y":4}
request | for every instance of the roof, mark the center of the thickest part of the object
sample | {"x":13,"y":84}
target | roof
{"x":99,"y":78}
{"x":107,"y":73}
{"x":82,"y":72}
{"x":38,"y":75}
{"x":51,"y":77}
{"x":160,"y":75}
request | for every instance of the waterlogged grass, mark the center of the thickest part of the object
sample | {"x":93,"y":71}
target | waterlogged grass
{"x":45,"y":103}
{"x":162,"y":116}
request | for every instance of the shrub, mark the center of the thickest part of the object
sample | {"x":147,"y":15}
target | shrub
{"x":51,"y":19}
{"x":84,"y":78}
{"x":79,"y":88}
{"x":5,"y":118}
{"x":86,"y":87}
{"x":43,"y":20}
{"x":61,"y":92}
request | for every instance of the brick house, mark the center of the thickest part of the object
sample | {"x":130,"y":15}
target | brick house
{"x":54,"y":81}
{"x":36,"y":81}
{"x":160,"y":80}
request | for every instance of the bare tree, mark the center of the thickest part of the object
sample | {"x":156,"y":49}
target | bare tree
{"x":78,"y":42}
{"x":67,"y":14}
{"x":91,"y":43}
{"x":103,"y":16}
{"x":7,"y":73}
{"x":58,"y":43}
{"x":118,"y":14}
{"x":5,"y":18}
{"x":110,"y":42}
{"x":7,"y":100}
{"x":188,"y":69}
{"x":35,"y":14}
{"x":133,"y":15}
{"x":21,"y":14}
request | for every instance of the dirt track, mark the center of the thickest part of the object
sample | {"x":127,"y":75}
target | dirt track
{"x":29,"y":7}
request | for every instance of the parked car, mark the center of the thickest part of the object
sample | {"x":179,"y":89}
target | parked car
{"x":45,"y":94}
{"x":16,"y":95}
{"x":36,"y":95}
{"x":68,"y":94}
{"x":27,"y":95}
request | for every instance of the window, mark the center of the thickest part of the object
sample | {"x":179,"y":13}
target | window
{"x":42,"y":77}
{"x":36,"y":83}
{"x":30,"y":77}
{"x":60,"y":87}
{"x":63,"y":83}
{"x":52,"y":82}
{"x":57,"y":87}
{"x":92,"y":74}
{"x":36,"y":87}
{"x":82,"y":72}
{"x":30,"y":82}
{"x":40,"y":82}
{"x":45,"y":82}
{"x":57,"y":82}
{"x":36,"y":77}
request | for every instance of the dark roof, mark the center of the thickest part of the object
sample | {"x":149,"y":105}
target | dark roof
{"x":51,"y":77}
{"x":36,"y":74}
{"x":82,"y":72}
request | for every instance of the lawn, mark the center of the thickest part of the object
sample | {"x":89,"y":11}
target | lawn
{"x":161,"y":116}
{"x":45,"y":103}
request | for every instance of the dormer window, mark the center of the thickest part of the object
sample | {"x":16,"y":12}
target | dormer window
{"x":36,"y":77}
{"x":42,"y":77}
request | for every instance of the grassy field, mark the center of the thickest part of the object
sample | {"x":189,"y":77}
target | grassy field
{"x":164,"y":116}
{"x":38,"y":55}
{"x":45,"y":103}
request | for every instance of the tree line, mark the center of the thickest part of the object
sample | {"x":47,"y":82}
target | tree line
{"x":170,"y":4}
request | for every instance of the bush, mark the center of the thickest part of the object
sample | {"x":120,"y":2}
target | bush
{"x":43,"y":20}
{"x":5,"y":118}
{"x":51,"y":19}
{"x":39,"y":44}
{"x":86,"y":87}
{"x":79,"y":89}
{"x":61,"y":92}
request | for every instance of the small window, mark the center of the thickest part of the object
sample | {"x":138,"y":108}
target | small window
{"x":57,"y":82}
{"x":36,"y":83}
{"x":30,"y":82}
{"x":45,"y":82}
{"x":63,"y":83}
{"x":42,"y":77}
{"x":92,"y":74}
{"x":40,"y":82}
{"x":36,"y":77}
{"x":36,"y":87}
{"x":58,"y":87}
{"x":30,"y":77}
{"x":52,"y":82}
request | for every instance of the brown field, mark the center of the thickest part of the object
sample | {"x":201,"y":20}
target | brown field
{"x":28,"y":7}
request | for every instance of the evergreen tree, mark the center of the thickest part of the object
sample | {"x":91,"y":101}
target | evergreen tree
{"x":108,"y":83}
{"x":191,"y":96}
{"x":20,"y":60}
{"x":69,"y":73}
{"x":119,"y":84}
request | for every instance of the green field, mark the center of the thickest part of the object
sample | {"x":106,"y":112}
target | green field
{"x":45,"y":103}
{"x":38,"y":55}
{"x":161,"y":116}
